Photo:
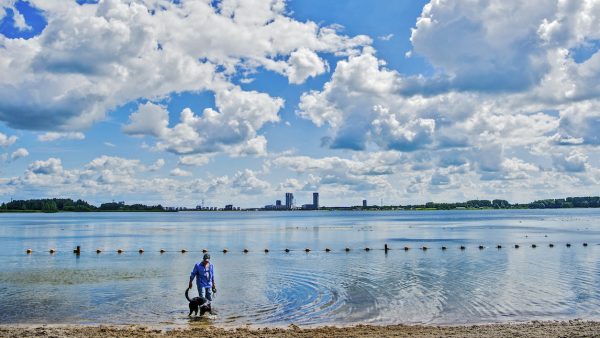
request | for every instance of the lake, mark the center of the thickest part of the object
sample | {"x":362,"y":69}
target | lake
{"x":433,"y":286}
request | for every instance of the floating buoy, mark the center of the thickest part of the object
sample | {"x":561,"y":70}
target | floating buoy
{"x":424,"y":248}
{"x":119,"y":251}
{"x":367,"y":249}
{"x":98,"y":251}
{"x":287,"y":250}
{"x":245,"y":250}
{"x":225,"y":250}
{"x":481,"y":247}
{"x":162,"y":251}
{"x":584,"y":244}
{"x":498,"y":246}
{"x":141,"y":251}
{"x":52,"y":251}
{"x":516,"y":246}
{"x":266,"y":250}
{"x":462,"y":247}
{"x":204,"y":250}
{"x":307,"y":250}
{"x":551,"y":245}
{"x":568,"y":245}
{"x":327,"y":249}
{"x":29,"y":251}
{"x":533,"y":246}
{"x":347,"y":249}
{"x":406,"y":248}
{"x":444,"y":248}
{"x":183,"y":251}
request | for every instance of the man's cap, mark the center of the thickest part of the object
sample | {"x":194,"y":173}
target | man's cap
{"x":206,"y":256}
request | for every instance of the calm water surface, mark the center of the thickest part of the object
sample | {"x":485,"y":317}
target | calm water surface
{"x":279,"y":288}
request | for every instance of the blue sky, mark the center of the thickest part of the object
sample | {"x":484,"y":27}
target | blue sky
{"x":172,"y":102}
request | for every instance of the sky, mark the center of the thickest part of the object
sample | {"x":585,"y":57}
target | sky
{"x":240,"y":101}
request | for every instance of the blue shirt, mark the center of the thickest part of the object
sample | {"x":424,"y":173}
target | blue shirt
{"x":205,"y":277}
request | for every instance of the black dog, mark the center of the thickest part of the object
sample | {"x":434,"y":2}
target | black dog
{"x":197,"y":303}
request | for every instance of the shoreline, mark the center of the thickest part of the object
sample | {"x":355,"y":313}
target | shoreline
{"x":323,"y":209}
{"x":570,"y":328}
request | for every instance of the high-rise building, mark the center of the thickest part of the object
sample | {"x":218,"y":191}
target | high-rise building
{"x":289,"y":200}
{"x":364,"y":203}
{"x":316,"y":200}
{"x":278,"y":203}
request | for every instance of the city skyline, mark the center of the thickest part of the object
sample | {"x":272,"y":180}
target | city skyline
{"x":404,"y":101}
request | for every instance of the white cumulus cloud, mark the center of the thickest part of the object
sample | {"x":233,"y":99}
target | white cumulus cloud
{"x":180,"y":172}
{"x":232,"y":128}
{"x":19,"y":153}
{"x":6,"y":141}
{"x":53,"y":136}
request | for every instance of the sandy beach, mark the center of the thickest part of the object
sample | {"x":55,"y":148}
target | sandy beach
{"x":573,"y":328}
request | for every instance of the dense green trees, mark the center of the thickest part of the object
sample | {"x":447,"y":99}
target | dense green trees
{"x":67,"y":204}
{"x":569,"y":202}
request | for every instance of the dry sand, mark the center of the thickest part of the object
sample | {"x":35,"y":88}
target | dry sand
{"x":573,"y":328}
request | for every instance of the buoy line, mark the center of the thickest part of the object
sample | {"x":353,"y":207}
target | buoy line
{"x":77,"y":251}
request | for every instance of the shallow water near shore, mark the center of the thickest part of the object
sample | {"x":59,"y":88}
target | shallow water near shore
{"x":431,"y":286}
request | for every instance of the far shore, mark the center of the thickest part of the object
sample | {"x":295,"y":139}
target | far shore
{"x":572,"y":328}
{"x":281,"y":211}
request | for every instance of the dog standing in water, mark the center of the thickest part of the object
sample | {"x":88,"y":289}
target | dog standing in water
{"x":198,"y":303}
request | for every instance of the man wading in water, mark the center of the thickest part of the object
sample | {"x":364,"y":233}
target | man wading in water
{"x":205,"y":278}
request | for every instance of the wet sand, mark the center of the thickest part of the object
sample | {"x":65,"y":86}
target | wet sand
{"x":574,"y":328}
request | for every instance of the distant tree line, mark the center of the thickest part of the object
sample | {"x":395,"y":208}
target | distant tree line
{"x":67,"y":204}
{"x":559,"y":203}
